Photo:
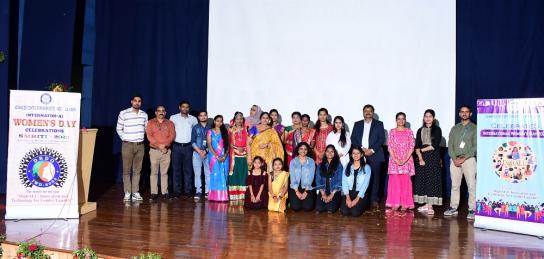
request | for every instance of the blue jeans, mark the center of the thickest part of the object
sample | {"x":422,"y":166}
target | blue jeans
{"x":182,"y":168}
{"x":198,"y":163}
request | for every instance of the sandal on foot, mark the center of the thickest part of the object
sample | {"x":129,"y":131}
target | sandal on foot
{"x":423,"y":208}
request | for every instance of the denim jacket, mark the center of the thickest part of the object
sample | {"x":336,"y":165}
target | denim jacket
{"x":304,"y":173}
{"x":336,"y":179}
{"x":198,"y":136}
{"x":363,"y":179}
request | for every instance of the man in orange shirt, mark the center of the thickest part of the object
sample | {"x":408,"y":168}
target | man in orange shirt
{"x":160,"y":133}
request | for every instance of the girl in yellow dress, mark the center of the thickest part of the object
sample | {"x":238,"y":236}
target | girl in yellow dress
{"x":278,"y":182}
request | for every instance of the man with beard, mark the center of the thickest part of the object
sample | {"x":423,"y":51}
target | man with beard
{"x":131,"y":125}
{"x":462,"y":151}
{"x":182,"y":151}
{"x":200,"y":155}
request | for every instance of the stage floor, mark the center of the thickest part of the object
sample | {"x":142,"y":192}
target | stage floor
{"x":185,"y":229}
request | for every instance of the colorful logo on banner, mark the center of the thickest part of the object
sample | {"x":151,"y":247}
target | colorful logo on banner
{"x":43,"y":167}
{"x":509,"y":181}
{"x":514,"y":162}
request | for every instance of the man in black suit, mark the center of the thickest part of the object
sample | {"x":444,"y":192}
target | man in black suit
{"x":370,"y":135}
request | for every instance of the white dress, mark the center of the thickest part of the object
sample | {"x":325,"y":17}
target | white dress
{"x":343,"y":152}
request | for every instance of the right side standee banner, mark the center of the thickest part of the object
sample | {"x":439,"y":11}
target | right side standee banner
{"x":510,"y":179}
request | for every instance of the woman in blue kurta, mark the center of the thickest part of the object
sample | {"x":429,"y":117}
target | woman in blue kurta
{"x":218,"y":157}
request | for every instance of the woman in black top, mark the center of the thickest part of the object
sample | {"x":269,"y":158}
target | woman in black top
{"x":428,"y":179}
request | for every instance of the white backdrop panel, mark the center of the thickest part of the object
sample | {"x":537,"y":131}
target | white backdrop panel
{"x":306,"y":54}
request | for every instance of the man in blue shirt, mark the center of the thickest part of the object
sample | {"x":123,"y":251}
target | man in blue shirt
{"x":200,"y":154}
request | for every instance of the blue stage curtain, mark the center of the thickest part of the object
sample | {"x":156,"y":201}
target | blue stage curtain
{"x":47,"y":43}
{"x":4,"y":91}
{"x":46,"y":38}
{"x":158,"y":49}
{"x":500,"y":50}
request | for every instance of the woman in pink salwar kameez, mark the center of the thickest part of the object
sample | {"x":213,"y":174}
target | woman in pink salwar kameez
{"x":401,"y":166}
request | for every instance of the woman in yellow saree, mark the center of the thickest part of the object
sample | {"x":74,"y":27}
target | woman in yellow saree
{"x":264,"y":141}
{"x":278,"y":182}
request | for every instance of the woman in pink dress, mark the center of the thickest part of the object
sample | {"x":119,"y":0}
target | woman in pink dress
{"x":401,"y":166}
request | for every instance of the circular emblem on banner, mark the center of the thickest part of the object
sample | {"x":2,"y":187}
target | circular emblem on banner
{"x":43,"y":167}
{"x":45,"y":98}
{"x":514,"y":162}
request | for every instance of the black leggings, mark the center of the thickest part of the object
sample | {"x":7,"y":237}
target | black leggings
{"x":356,"y":210}
{"x":297,"y":204}
{"x":331,"y":207}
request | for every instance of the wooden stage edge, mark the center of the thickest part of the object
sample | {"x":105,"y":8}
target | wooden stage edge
{"x":183,"y":228}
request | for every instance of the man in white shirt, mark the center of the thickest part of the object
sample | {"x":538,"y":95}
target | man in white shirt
{"x":131,"y":125}
{"x":182,"y":152}
{"x":369,"y":134}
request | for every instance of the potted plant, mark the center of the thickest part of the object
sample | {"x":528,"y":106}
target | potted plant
{"x":2,"y":239}
{"x":31,"y":250}
{"x":149,"y":255}
{"x":60,"y":87}
{"x":85,"y":253}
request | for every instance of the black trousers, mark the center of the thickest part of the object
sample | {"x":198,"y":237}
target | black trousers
{"x":297,"y":204}
{"x":358,"y":209}
{"x":375,"y":180}
{"x":182,"y":168}
{"x":331,"y":207}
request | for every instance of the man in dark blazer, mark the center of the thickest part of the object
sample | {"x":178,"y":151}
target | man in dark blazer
{"x":371,"y":140}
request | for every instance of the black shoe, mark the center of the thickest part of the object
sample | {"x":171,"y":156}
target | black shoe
{"x":166,"y":196}
{"x":154,"y":197}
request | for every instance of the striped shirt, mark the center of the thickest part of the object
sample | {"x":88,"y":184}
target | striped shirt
{"x":131,"y":126}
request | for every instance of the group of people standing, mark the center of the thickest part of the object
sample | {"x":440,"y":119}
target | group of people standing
{"x":259,"y":161}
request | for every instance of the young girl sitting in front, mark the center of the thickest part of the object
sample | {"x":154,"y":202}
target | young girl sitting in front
{"x":278,"y":182}
{"x":257,"y":185}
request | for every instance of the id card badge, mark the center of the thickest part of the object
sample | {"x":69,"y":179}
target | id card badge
{"x":462,"y":145}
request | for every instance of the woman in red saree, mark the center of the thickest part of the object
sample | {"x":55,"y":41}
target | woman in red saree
{"x":289,"y":135}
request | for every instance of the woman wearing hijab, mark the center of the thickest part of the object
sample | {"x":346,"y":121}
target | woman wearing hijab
{"x":254,"y":117}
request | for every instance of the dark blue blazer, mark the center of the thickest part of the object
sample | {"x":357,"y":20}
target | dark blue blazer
{"x":376,"y":139}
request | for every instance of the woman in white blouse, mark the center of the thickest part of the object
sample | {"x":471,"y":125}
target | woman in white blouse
{"x":340,"y":138}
